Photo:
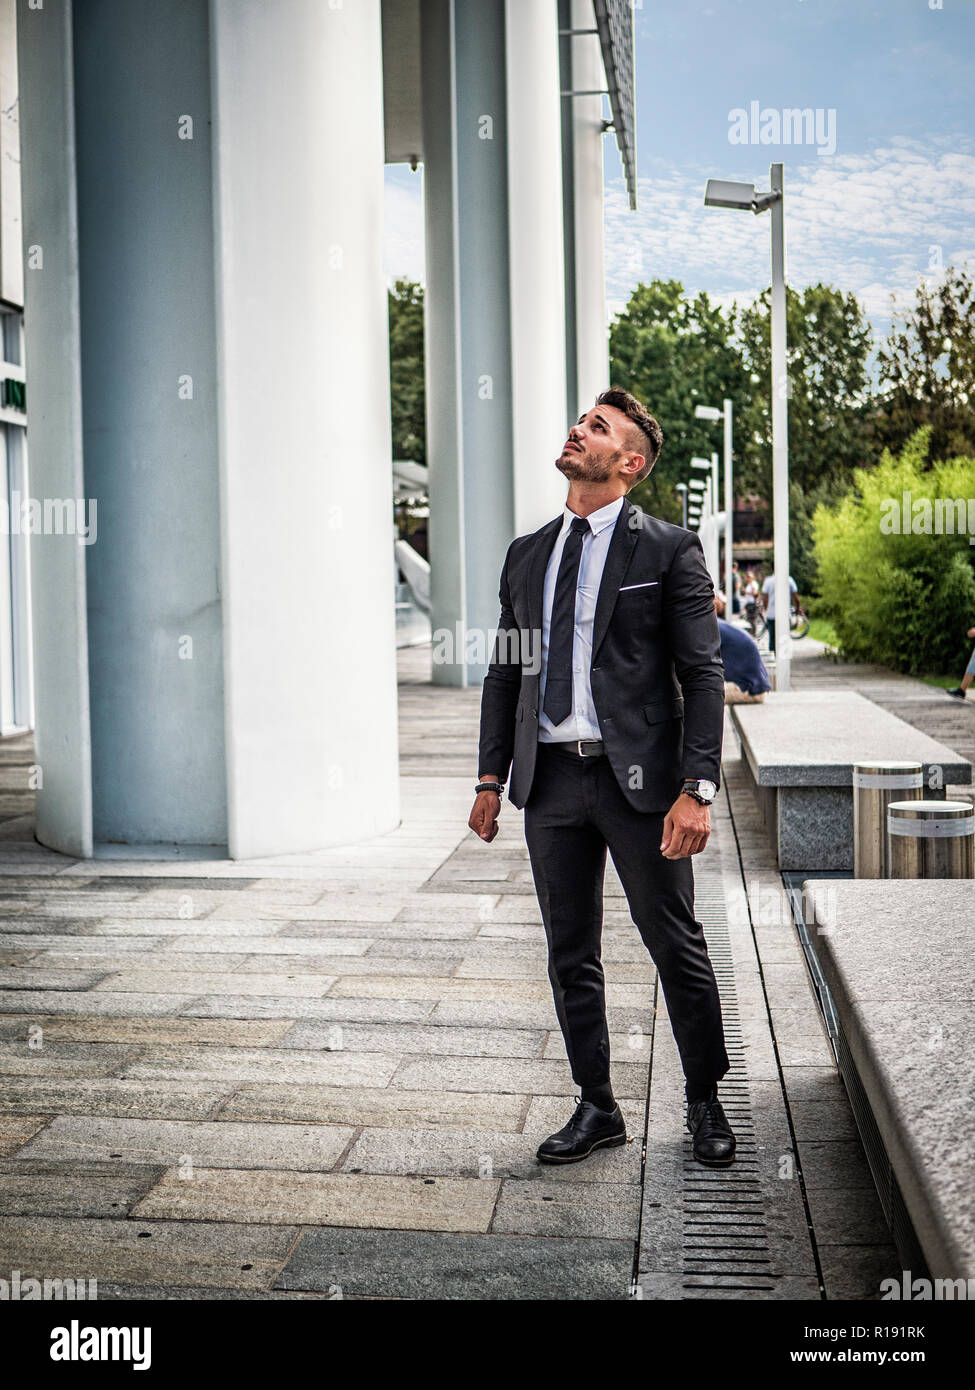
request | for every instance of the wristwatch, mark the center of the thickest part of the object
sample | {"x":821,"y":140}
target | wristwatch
{"x":702,"y":790}
{"x":490,"y":787}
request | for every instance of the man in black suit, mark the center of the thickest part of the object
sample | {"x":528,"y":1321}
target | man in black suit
{"x":606,"y":688}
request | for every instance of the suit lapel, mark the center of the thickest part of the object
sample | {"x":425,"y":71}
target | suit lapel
{"x":537,"y":566}
{"x":621,"y":548}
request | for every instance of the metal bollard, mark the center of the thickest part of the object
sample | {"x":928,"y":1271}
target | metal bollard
{"x":931,"y":839}
{"x":875,"y":786}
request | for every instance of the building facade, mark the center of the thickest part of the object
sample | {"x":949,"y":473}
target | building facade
{"x":207,"y":359}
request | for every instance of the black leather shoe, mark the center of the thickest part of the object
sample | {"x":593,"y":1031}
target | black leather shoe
{"x":714,"y":1142}
{"x":590,"y":1128}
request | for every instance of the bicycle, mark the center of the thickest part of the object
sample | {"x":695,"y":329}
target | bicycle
{"x":758,"y":627}
{"x":798,"y":623}
{"x":755,"y":619}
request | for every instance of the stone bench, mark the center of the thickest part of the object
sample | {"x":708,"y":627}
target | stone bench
{"x":799,"y":748}
{"x":897,"y":959}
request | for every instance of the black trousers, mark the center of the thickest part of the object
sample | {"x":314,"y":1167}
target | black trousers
{"x":576,"y":809}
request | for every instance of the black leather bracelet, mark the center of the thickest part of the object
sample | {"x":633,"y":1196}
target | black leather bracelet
{"x":490,"y":787}
{"x":690,"y":791}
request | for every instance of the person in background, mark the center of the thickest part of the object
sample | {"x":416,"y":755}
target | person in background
{"x":746,"y":681}
{"x":736,"y":592}
{"x":960,"y":692}
{"x":768,"y":598}
{"x":750,"y":596}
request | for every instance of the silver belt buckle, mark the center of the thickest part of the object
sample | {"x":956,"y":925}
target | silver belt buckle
{"x":581,"y":741}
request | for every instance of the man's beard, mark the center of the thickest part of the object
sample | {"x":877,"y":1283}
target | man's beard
{"x":583,"y":467}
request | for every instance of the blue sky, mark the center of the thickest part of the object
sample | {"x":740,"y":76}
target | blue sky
{"x":895,"y":83}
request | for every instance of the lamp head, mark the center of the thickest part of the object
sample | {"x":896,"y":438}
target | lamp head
{"x":720,"y":193}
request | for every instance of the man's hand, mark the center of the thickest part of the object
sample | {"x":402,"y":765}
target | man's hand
{"x":687,"y":826}
{"x":484,"y":817}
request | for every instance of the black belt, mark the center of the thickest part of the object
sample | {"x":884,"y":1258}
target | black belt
{"x":580,"y":747}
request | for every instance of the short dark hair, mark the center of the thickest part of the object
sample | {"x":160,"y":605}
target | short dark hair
{"x":647,"y":436}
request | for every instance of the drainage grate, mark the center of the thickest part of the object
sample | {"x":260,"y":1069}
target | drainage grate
{"x":726,"y":1247}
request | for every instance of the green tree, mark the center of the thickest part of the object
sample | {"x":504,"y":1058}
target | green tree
{"x":802,"y":508}
{"x":828,"y":388}
{"x":896,"y":591}
{"x":675,"y":353}
{"x":406,"y":374}
{"x":926,"y":368}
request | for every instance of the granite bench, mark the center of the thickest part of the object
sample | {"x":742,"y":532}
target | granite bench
{"x":799,"y":748}
{"x":897,"y":960}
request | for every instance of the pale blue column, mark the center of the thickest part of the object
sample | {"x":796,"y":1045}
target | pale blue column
{"x":148,"y":360}
{"x":495,"y":328}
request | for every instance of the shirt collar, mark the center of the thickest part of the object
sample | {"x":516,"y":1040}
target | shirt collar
{"x":599,"y":520}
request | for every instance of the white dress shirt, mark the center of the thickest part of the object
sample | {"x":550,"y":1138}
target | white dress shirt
{"x":581,"y":722}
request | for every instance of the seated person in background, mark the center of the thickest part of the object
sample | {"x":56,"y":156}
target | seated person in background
{"x":746,"y":679}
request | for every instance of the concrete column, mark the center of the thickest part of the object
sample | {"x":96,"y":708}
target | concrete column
{"x":305,"y":458}
{"x":536,"y":258}
{"x":236,"y":610}
{"x":495,"y":326}
{"x":148,"y":375}
{"x":585,"y":293}
{"x":52,"y":362}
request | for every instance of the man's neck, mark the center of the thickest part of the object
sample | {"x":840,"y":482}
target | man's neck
{"x":584,"y":499}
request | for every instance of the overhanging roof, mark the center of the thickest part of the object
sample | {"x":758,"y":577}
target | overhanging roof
{"x":614,"y":20}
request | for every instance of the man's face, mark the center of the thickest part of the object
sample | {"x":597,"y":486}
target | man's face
{"x":597,"y":446}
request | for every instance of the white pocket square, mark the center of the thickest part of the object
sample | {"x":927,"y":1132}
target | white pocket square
{"x":648,"y":585}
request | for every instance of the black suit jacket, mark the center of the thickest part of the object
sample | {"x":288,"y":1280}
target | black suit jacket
{"x":657,"y":677}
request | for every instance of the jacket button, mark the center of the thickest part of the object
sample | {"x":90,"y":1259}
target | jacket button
{"x":534,"y":713}
{"x":597,"y":668}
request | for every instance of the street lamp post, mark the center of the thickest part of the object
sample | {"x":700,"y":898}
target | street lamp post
{"x":780,"y":441}
{"x":710,"y":412}
{"x":708,"y":491}
{"x":682,"y":489}
{"x":723,"y":194}
{"x":729,"y":512}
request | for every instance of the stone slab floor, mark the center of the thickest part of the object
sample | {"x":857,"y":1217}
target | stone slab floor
{"x":327,"y":1073}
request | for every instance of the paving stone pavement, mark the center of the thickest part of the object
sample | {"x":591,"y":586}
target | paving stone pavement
{"x":329,"y":1072}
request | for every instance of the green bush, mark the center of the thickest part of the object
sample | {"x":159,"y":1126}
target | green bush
{"x":897,"y":592}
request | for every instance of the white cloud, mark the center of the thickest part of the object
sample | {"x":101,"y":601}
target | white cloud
{"x":871,"y":223}
{"x":866,"y":223}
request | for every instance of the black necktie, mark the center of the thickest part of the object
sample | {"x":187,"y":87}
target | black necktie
{"x":558,"y":677}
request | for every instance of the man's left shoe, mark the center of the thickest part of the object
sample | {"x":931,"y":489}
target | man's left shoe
{"x":958,"y":693}
{"x":588,"y":1129}
{"x":714,"y":1142}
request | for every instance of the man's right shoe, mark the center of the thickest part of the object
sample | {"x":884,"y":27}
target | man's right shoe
{"x":714,"y":1142}
{"x":590,"y":1128}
